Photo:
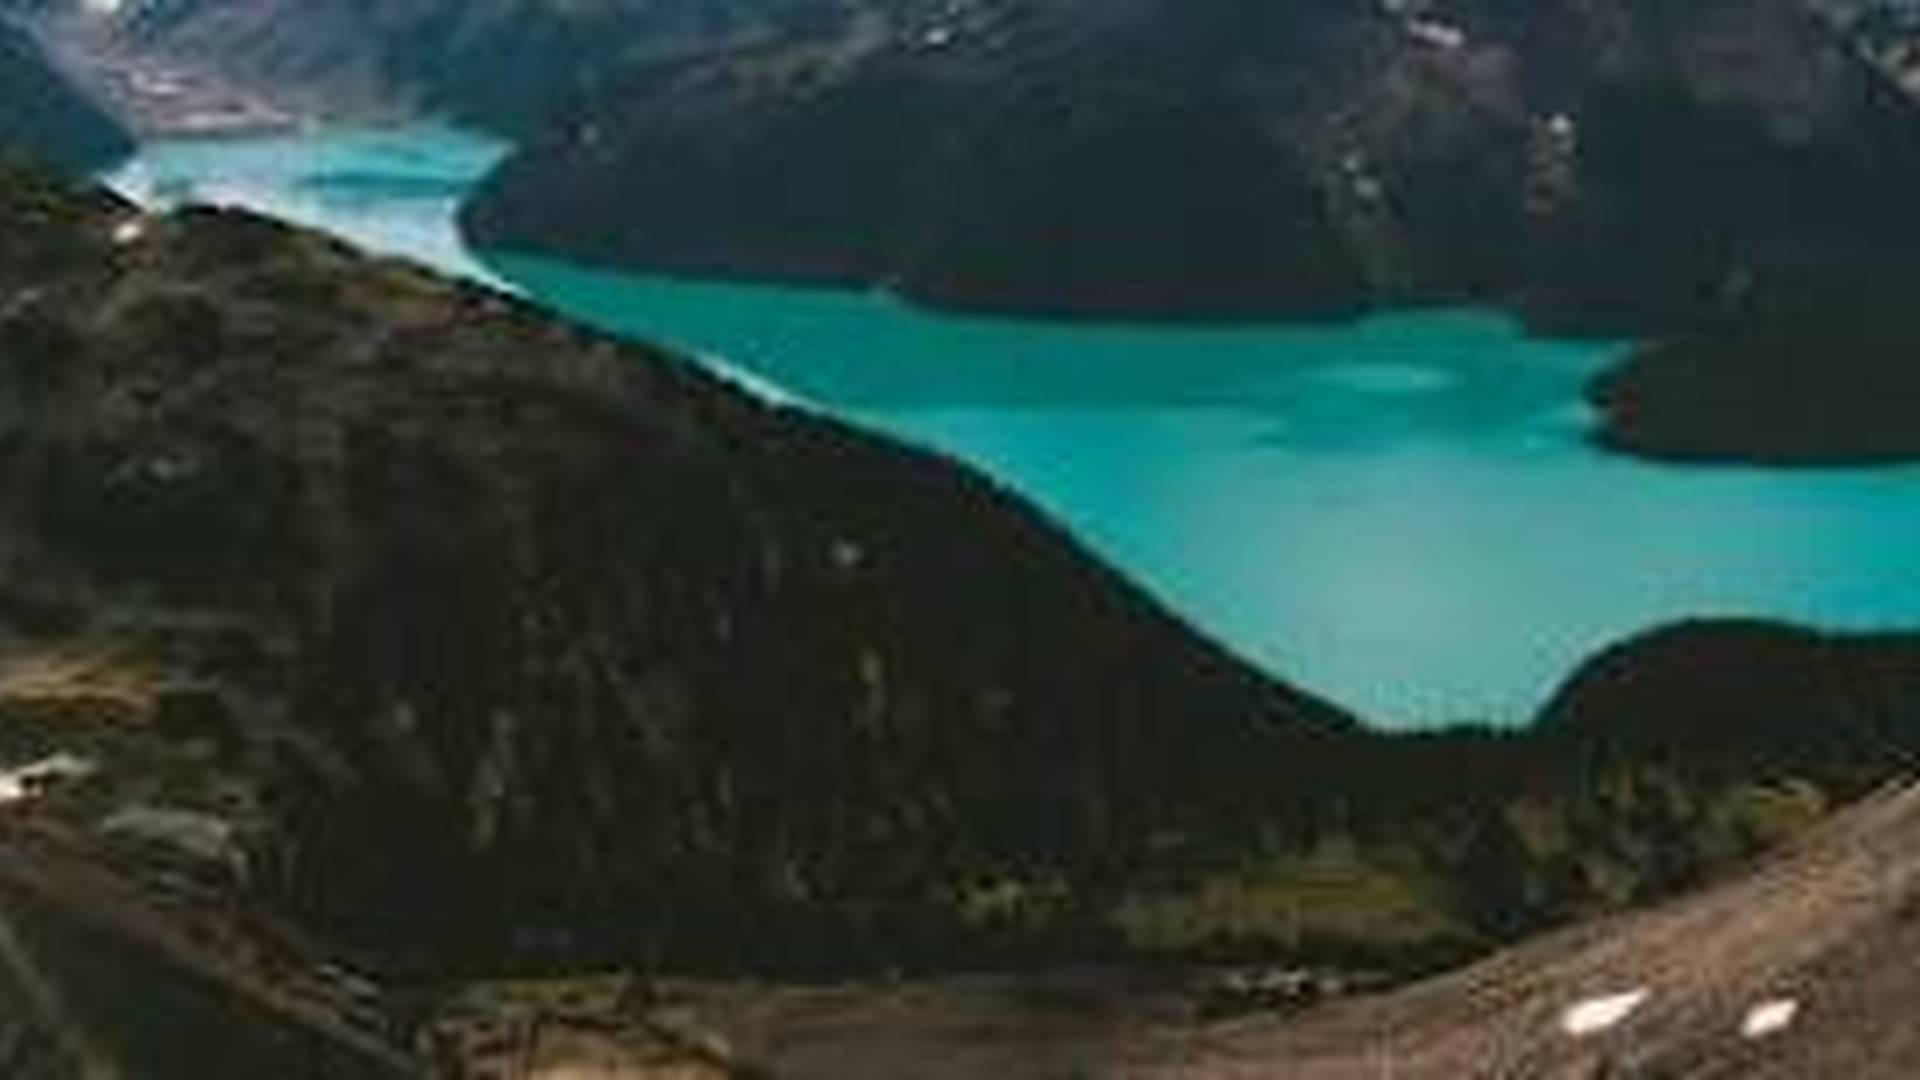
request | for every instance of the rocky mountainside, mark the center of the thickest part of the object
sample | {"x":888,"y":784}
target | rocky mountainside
{"x":1614,"y":165}
{"x":501,"y":64}
{"x":44,"y":115}
{"x":1801,"y":969}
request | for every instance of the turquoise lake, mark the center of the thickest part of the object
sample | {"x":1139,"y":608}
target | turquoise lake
{"x":1401,"y":514}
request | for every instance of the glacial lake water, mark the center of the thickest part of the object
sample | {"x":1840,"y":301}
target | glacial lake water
{"x":1400,"y":514}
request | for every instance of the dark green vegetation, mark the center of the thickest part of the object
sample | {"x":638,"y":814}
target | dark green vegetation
{"x":1836,"y":385}
{"x":1621,"y":166}
{"x":567,"y":638}
{"x":476,"y":644}
{"x":41,"y":114}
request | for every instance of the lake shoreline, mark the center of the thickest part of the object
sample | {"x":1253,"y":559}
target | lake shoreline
{"x":1405,"y":514}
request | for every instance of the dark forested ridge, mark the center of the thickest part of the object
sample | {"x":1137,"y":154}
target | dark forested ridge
{"x":1835,"y":382}
{"x":1618,"y":167}
{"x":564,"y":628}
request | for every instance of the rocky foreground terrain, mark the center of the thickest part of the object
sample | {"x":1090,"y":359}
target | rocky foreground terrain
{"x":1802,"y":968}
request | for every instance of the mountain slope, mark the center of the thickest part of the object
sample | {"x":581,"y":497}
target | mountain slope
{"x":1596,"y":165}
{"x":1831,"y":381}
{"x":45,"y":116}
{"x":1827,"y":930}
{"x":502,"y":64}
{"x":100,"y":978}
{"x":579,"y":635}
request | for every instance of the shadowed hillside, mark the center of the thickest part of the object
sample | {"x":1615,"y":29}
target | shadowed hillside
{"x":1618,"y":166}
{"x":43,"y":115}
{"x":487,"y":608}
{"x":1834,"y":381}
